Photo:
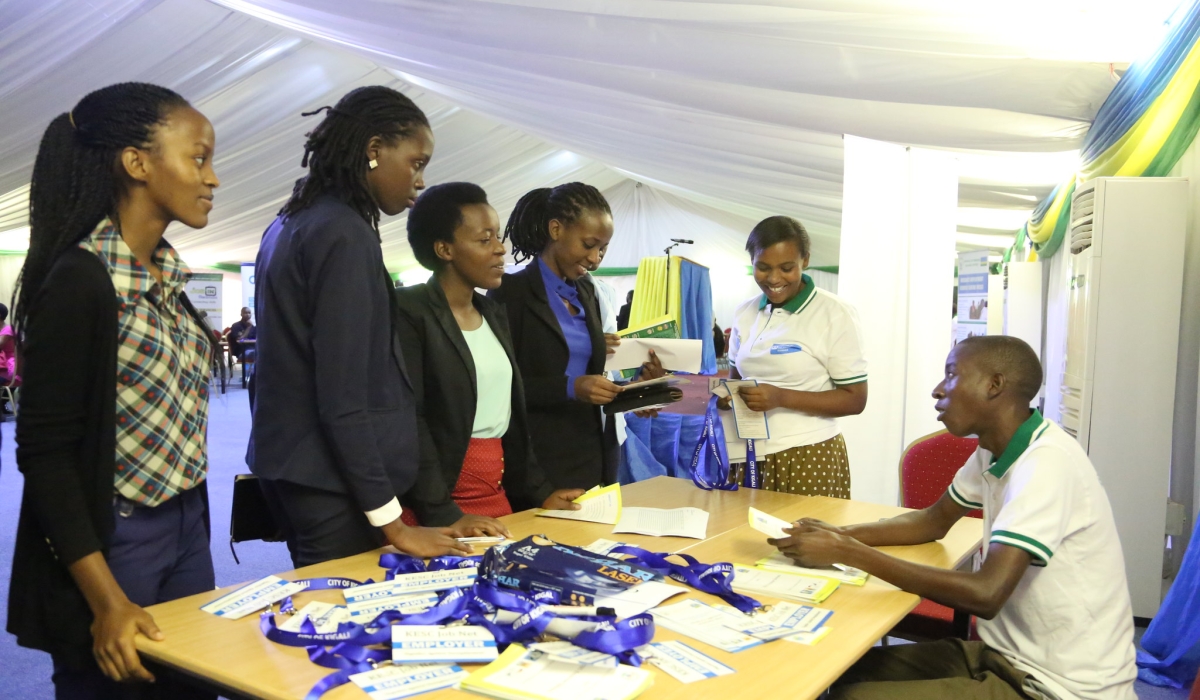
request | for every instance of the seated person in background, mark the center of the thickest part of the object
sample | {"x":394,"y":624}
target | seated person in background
{"x":476,"y":463}
{"x":8,"y":350}
{"x":239,"y":331}
{"x":1055,"y":617}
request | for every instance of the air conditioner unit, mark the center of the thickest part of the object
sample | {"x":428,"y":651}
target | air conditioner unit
{"x":1125,"y":249}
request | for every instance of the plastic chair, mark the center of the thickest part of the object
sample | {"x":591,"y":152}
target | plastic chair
{"x":927,"y":468}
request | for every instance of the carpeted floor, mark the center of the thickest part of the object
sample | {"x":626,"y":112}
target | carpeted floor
{"x":25,"y":674}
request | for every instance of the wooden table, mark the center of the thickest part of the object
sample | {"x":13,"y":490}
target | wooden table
{"x":234,"y":656}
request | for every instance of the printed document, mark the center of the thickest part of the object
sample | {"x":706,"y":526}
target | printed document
{"x":660,"y":522}
{"x":599,"y":505}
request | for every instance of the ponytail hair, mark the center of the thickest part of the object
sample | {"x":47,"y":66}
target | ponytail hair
{"x":75,"y":181}
{"x":528,"y":227}
{"x":336,"y":151}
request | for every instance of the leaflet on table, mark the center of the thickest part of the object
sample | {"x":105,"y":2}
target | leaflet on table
{"x":684,"y":663}
{"x":395,"y":682}
{"x":599,"y":505}
{"x":528,"y":674}
{"x":566,"y":651}
{"x":810,"y":638}
{"x":435,"y":643}
{"x":839,"y":572}
{"x":780,"y":620}
{"x":676,"y":355}
{"x":808,"y":589}
{"x":660,"y":522}
{"x":603,"y":546}
{"x":408,"y":603}
{"x":703,"y":623}
{"x":565,"y":627}
{"x":325,"y":617}
{"x":751,"y":425}
{"x":421,"y":582}
{"x":253,"y":597}
{"x":483,"y":540}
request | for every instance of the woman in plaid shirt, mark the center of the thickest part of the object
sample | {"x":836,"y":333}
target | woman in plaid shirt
{"x":112,"y":437}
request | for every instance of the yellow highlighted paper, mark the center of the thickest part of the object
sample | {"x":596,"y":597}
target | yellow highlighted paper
{"x":597,"y":505}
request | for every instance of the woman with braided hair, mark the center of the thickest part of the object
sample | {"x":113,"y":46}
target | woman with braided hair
{"x":114,"y":408}
{"x":334,"y":438}
{"x":555,"y":322}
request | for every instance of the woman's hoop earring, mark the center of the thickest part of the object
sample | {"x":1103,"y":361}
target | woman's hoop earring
{"x":372,"y":164}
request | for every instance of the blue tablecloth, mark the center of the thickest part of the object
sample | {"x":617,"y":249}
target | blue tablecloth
{"x":661,"y":446}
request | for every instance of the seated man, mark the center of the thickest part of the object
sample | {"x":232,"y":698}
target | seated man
{"x":1050,"y":594}
{"x":239,"y":331}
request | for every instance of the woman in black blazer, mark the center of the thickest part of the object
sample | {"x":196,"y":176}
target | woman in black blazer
{"x":556,"y":329}
{"x":476,"y":460}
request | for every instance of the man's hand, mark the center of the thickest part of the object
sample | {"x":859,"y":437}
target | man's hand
{"x":595,"y":389}
{"x":812,"y":545}
{"x":652,"y":368}
{"x":761,"y":398}
{"x":563,"y":499}
{"x":478,"y":526}
{"x":611,"y":341}
{"x":113,"y":630}
{"x":424,"y":542}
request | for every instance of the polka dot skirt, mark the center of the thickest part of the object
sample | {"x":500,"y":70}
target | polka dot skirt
{"x":822,"y":469}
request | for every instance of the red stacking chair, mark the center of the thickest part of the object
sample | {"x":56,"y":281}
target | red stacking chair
{"x":926,"y":469}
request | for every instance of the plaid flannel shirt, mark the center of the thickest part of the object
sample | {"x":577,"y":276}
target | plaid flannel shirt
{"x":162,"y":374}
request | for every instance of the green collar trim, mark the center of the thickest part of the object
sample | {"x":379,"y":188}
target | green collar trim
{"x":798,"y":302}
{"x":1030,"y":430}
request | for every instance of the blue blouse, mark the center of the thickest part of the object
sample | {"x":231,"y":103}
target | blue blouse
{"x":574,"y":328}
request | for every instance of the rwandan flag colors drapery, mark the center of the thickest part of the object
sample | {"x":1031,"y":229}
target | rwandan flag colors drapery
{"x":690,"y":302}
{"x":1141,"y":130}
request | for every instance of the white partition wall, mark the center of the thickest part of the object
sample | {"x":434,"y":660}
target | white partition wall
{"x":897,"y":268}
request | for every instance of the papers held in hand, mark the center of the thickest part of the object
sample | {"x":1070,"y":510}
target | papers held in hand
{"x":599,"y":505}
{"x":751,"y":425}
{"x":676,"y":355}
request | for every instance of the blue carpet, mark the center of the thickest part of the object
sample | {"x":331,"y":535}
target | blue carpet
{"x":25,"y":674}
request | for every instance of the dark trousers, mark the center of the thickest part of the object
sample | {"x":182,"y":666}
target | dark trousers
{"x":949,"y":669}
{"x":319,"y":525}
{"x":156,"y":554}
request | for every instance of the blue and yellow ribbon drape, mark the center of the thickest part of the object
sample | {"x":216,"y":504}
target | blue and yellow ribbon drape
{"x":1148,"y":121}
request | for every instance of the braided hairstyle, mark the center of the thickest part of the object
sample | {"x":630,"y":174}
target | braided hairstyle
{"x":336,"y":151}
{"x":77,"y":178}
{"x":529,"y":225}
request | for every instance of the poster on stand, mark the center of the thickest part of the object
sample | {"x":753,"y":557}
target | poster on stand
{"x":248,"y":289}
{"x":972,"y":294}
{"x":204,"y":291}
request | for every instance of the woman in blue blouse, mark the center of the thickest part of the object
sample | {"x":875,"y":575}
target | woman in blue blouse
{"x":556,"y":330}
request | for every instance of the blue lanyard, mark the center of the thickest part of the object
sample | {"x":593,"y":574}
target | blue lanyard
{"x":716,"y":579}
{"x":346,"y":649}
{"x":710,"y":462}
{"x":752,"y":479}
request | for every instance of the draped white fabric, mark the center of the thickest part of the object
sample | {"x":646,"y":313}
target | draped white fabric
{"x":735,"y":109}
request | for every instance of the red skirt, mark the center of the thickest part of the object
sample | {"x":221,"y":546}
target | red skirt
{"x":479,"y":490}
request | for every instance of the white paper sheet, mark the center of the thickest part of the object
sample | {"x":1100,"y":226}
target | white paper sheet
{"x":684,"y":663}
{"x":639,"y":598}
{"x":703,"y":623}
{"x":542,"y":675}
{"x":597,"y":506}
{"x":676,"y":355}
{"x":767,"y":524}
{"x":660,"y":522}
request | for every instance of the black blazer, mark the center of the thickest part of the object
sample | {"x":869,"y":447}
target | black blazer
{"x":568,"y":436}
{"x":332,"y":407}
{"x":66,"y":449}
{"x":443,"y":376}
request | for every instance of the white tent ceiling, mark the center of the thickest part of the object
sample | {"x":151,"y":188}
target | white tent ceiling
{"x":735,"y":110}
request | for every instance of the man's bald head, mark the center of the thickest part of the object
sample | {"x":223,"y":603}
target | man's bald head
{"x":1007,"y":356}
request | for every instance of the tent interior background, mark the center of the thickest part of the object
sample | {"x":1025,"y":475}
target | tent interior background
{"x":696,"y":119}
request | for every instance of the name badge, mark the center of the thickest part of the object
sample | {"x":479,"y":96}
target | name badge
{"x":785,"y":348}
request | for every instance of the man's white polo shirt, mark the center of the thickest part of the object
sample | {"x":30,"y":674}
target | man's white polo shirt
{"x":1069,"y":622}
{"x":811,"y":343}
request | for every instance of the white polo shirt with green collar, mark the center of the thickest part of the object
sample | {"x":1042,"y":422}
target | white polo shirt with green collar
{"x":812,"y":343}
{"x":1069,"y":622}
